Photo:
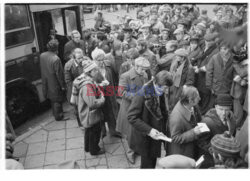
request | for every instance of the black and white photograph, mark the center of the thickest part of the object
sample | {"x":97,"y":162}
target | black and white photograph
{"x":160,"y":85}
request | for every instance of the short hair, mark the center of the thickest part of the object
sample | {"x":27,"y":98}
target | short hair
{"x":164,"y":78}
{"x":76,"y":51}
{"x":75,"y":32}
{"x":188,"y":92}
{"x":101,"y":36}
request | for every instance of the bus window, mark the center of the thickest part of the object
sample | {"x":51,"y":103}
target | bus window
{"x":17,"y":25}
{"x":57,"y":21}
{"x":70,"y":17}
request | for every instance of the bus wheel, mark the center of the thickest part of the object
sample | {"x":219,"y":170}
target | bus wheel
{"x":21,"y":104}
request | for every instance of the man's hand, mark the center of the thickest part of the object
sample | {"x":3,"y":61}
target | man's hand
{"x":197,"y":130}
{"x":154,"y":134}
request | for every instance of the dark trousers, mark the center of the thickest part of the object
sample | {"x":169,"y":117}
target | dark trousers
{"x":147,"y":162}
{"x":57,"y":110}
{"x":92,"y":138}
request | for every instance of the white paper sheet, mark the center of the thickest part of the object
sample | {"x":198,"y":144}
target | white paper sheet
{"x":204,"y":127}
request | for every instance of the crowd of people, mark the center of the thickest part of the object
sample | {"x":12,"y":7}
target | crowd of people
{"x":159,"y":74}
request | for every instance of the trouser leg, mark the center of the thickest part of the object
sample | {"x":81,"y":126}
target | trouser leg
{"x":57,"y":110}
{"x":95,"y":135}
{"x":87,"y":139}
{"x":147,"y":162}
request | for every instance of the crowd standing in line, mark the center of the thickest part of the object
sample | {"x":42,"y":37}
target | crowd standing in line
{"x":163,"y":73}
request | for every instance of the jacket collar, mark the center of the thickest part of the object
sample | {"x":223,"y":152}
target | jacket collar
{"x":133,"y":74}
{"x":183,"y":111}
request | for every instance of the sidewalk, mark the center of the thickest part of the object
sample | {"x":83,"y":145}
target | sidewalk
{"x":52,"y":142}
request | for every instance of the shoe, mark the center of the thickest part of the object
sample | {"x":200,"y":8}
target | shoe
{"x":100,"y":152}
{"x":116,"y":134}
{"x":131,"y":158}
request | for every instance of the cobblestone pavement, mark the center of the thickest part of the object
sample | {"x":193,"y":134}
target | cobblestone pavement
{"x":51,"y":143}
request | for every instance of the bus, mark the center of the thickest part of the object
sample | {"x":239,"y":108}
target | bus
{"x":27,"y":31}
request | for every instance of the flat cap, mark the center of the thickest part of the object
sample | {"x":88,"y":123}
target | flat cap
{"x":210,"y":36}
{"x":201,"y":26}
{"x":181,"y":52}
{"x":146,"y":25}
{"x":183,"y":22}
{"x":142,"y":62}
{"x":178,"y":30}
{"x":172,"y":43}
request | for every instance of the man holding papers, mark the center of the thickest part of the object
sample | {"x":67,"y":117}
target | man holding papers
{"x":183,"y":125}
{"x":148,"y":116}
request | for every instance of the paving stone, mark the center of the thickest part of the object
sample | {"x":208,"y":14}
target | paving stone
{"x":34,"y":161}
{"x":109,"y":140}
{"x":56,"y":135}
{"x":71,"y":124}
{"x":39,"y":136}
{"x":55,"y":125}
{"x":137,"y":162}
{"x":56,"y":145}
{"x":20,"y":149}
{"x":89,"y":156}
{"x":22,"y":160}
{"x":81,"y":163}
{"x":54,"y":157}
{"x":96,"y":162}
{"x":36,"y":148}
{"x":114,"y":149}
{"x":119,"y":161}
{"x":74,"y":132}
{"x":75,"y":154}
{"x":75,"y":143}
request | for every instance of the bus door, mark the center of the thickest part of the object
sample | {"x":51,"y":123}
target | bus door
{"x":59,"y":22}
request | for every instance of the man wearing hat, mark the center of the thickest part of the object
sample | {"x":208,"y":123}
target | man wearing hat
{"x":180,"y":69}
{"x":85,"y":95}
{"x":52,"y":78}
{"x":218,"y":120}
{"x":142,"y":47}
{"x":147,"y":34}
{"x":128,"y":39}
{"x":155,"y":23}
{"x":220,"y":71}
{"x":180,"y":36}
{"x":200,"y":73}
{"x":130,"y":82}
{"x":147,"y":114}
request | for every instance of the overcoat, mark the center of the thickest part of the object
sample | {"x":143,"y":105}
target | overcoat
{"x":52,"y":76}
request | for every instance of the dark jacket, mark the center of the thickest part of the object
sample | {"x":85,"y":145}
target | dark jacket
{"x":181,"y":131}
{"x":52,"y":76}
{"x":216,"y":126}
{"x":71,"y":71}
{"x":145,"y":113}
{"x":70,"y":46}
{"x":219,"y":77}
{"x":200,"y":81}
{"x":129,"y":83}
